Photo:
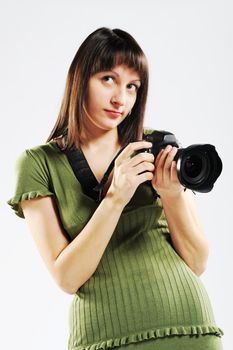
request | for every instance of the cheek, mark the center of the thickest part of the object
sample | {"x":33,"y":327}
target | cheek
{"x":91,"y":105}
{"x":131,"y":102}
{"x":92,"y":101}
{"x":98,"y":98}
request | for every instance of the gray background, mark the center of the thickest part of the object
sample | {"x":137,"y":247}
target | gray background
{"x":189,"y":45}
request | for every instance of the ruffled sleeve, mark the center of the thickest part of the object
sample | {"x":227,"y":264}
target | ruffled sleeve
{"x":32,"y":180}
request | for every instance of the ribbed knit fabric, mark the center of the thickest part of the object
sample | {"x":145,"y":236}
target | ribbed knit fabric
{"x":141,"y":288}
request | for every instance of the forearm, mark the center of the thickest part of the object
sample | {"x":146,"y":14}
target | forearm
{"x":186,"y":230}
{"x":79,"y":260}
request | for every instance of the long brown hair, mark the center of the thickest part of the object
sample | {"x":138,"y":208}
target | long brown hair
{"x":101,"y":51}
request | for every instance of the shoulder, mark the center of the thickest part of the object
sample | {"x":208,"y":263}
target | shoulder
{"x":32,"y":175}
{"x":160,"y":132}
{"x":37,"y":154}
{"x":147,"y":130}
{"x":42,"y":150}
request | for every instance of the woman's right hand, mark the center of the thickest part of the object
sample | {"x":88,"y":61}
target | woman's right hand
{"x":130,"y":171}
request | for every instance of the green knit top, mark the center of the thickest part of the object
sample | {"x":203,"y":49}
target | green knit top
{"x":141,"y":289}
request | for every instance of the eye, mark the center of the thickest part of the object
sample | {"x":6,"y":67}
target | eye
{"x":108,"y":79}
{"x":133,"y":87}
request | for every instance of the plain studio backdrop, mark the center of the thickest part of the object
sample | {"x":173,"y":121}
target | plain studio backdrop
{"x":189,"y":45}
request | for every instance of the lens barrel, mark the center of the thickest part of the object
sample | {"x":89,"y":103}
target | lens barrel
{"x":198,"y":167}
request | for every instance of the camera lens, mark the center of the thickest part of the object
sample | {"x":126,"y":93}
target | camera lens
{"x":196,"y":167}
{"x":193,"y":166}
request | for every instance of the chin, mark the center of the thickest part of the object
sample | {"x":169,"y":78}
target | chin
{"x":112,"y":124}
{"x":105,"y":124}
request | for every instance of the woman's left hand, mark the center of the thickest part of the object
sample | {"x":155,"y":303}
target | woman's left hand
{"x":165,"y":180}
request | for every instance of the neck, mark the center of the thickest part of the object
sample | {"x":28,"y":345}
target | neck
{"x":100,"y":139}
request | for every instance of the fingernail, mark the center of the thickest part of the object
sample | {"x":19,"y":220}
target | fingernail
{"x":168,"y":148}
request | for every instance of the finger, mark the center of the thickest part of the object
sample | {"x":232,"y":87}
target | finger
{"x":168,"y":161}
{"x":141,"y":157}
{"x":140,"y":168}
{"x":147,"y":176}
{"x":163,"y":156}
{"x":167,"y":168}
{"x":159,"y":157}
{"x":160,"y":165}
{"x":174,"y":176}
{"x":131,"y":148}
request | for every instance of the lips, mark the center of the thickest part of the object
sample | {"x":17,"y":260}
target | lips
{"x":113,"y":111}
{"x":113,"y":114}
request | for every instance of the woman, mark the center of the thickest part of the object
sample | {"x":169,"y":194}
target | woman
{"x":130,"y":257}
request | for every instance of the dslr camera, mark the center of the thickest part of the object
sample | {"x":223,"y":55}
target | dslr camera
{"x":198,"y":166}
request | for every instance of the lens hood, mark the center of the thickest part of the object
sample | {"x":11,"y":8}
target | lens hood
{"x":198,"y":167}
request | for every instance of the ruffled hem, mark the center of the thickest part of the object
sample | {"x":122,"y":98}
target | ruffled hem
{"x":15,"y":201}
{"x":151,"y":334}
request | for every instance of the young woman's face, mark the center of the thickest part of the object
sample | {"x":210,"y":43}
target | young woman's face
{"x":111,"y":96}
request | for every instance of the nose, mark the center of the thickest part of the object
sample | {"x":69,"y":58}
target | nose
{"x":119,"y":97}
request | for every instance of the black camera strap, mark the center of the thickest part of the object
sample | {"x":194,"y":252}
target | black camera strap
{"x":91,"y":187}
{"x":100,"y":186}
{"x":85,"y":176}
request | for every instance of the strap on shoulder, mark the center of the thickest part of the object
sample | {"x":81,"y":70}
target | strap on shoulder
{"x":83,"y":173}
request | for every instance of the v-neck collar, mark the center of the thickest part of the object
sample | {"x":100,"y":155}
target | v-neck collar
{"x":84,"y":174}
{"x":86,"y":165}
{"x":93,"y":196}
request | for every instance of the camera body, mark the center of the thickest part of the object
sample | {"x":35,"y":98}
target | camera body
{"x":198,"y":165}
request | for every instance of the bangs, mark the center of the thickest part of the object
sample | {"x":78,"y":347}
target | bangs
{"x":110,"y":57}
